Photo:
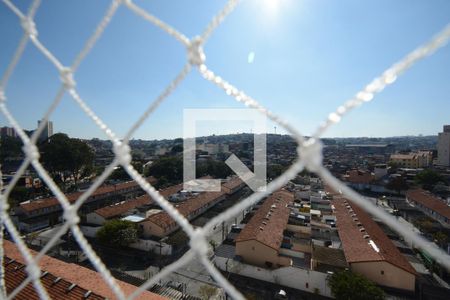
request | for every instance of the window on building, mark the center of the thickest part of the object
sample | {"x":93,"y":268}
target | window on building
{"x":382,"y":272}
{"x":307,"y":285}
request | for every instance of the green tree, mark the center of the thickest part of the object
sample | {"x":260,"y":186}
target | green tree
{"x":18,"y":195}
{"x":428,"y":179}
{"x":169,"y":167}
{"x":65,"y":157}
{"x":397,"y":184}
{"x":351,"y":286}
{"x":207,"y":291}
{"x":176,"y":149}
{"x":275,"y":170}
{"x":10,"y":147}
{"x":440,"y":238}
{"x":118,"y":233}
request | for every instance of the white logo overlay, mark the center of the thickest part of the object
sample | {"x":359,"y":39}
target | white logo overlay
{"x":256,"y":180}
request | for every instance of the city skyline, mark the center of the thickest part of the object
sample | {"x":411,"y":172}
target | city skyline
{"x":309,"y":55}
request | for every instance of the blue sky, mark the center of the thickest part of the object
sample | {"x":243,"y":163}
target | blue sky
{"x":309,"y":57}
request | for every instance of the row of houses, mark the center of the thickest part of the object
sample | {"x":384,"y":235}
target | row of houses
{"x":311,"y":237}
{"x":368,"y":250}
{"x":431,"y":205}
{"x":36,"y":214}
{"x":154,"y":222}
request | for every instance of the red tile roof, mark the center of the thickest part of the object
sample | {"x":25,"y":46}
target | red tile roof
{"x":428,"y":200}
{"x":358,"y":176}
{"x":84,"y":278}
{"x":233,"y":183}
{"x":163,"y":219}
{"x":268,"y":229}
{"x":120,"y":208}
{"x":72,"y":197}
{"x":15,"y":274}
{"x":356,"y":247}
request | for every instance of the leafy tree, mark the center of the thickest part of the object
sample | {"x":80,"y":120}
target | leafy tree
{"x":10,"y":147}
{"x":397,"y":184}
{"x":424,"y":224}
{"x":176,"y":149}
{"x":65,"y":157}
{"x":169,"y":167}
{"x":441,"y":238}
{"x":18,"y":195}
{"x":429,"y":178}
{"x":275,"y":170}
{"x":351,"y":286}
{"x":207,"y":291}
{"x":118,"y":233}
{"x":218,"y":169}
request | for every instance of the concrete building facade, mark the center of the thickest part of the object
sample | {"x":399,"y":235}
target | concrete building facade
{"x":47,"y":132}
{"x":443,"y":147}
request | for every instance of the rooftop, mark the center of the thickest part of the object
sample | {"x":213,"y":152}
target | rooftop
{"x":84,"y":279}
{"x":269,"y":222}
{"x":358,"y":176}
{"x":31,"y":205}
{"x":233,"y":183}
{"x":185,"y":208}
{"x":428,"y":200}
{"x":362,"y":239}
{"x":120,"y":208}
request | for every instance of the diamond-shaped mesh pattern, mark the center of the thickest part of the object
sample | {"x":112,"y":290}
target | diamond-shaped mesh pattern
{"x":309,"y":150}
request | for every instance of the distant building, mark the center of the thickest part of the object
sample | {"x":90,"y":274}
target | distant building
{"x":47,"y":132}
{"x":413,"y":160}
{"x":366,"y":149}
{"x":8,"y":131}
{"x":213,"y":148}
{"x":443,"y":147}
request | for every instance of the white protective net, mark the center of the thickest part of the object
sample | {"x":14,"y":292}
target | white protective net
{"x":309,"y":150}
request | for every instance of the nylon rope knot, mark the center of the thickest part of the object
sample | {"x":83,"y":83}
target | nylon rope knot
{"x":122,"y":152}
{"x":71,"y":216}
{"x":311,"y":154}
{"x":196,"y":56}
{"x":66,"y":76}
{"x":33,"y":271}
{"x":31,"y":151}
{"x":198,"y":243}
{"x":29,"y":27}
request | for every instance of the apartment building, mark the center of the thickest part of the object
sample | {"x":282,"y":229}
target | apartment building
{"x":430,"y":205}
{"x":260,"y":241}
{"x":443,"y":147}
{"x":413,"y":160}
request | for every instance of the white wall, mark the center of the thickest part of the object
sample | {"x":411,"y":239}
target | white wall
{"x":89,"y":231}
{"x":146,"y":245}
{"x":94,"y":218}
{"x":153,"y":246}
{"x":288,"y":276}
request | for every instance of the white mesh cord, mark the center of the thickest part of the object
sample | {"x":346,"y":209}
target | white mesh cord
{"x":309,"y":151}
